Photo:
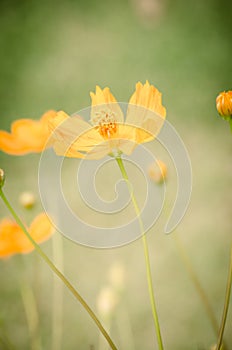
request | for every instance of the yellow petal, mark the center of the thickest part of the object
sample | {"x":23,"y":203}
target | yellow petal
{"x":104,"y":100}
{"x":13,"y":240}
{"x":26,"y":135}
{"x":8,"y":246}
{"x":73,"y":137}
{"x":40,"y":230}
{"x":145,"y":111}
{"x":149,"y":97}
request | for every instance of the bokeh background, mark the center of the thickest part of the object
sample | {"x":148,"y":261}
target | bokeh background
{"x":52,"y":55}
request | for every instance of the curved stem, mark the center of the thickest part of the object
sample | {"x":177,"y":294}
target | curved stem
{"x":146,"y":254}
{"x":226,"y":304}
{"x":57,"y":272}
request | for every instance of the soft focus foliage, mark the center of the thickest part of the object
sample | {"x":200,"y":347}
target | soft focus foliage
{"x":51,"y":57}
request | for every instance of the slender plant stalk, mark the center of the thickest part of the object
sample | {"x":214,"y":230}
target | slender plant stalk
{"x":5,"y":342}
{"x":102,"y":345}
{"x":146,"y":254}
{"x":31,"y":312}
{"x":200,"y":290}
{"x":226,"y":304}
{"x":57,"y":272}
{"x":30,"y":303}
{"x":125,"y":329}
{"x":230,"y":124}
{"x":57,"y":307}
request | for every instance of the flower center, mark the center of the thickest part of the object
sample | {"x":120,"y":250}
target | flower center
{"x":105,"y":122}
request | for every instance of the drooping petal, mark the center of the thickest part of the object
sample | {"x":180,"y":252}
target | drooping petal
{"x":27,"y":135}
{"x":104,"y":102}
{"x":14,"y":241}
{"x":146,"y":111}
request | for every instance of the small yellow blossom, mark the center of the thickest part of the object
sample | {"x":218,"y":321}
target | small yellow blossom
{"x":157,"y":171}
{"x":224,"y":104}
{"x":108,"y":132}
{"x":26,"y":135}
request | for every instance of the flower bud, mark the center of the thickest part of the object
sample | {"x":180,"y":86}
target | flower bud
{"x":157,"y":171}
{"x":27,"y":200}
{"x":224,"y":104}
{"x":2,"y":178}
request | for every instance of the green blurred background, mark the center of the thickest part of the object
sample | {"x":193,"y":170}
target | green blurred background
{"x":52,"y":55}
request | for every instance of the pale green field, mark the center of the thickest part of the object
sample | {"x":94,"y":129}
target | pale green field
{"x":52,"y":56}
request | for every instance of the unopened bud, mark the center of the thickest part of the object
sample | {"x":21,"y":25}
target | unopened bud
{"x":2,"y":178}
{"x":157,"y":171}
{"x":27,"y":200}
{"x":224,"y":105}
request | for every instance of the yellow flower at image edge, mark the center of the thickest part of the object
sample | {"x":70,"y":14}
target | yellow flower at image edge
{"x":26,"y":135}
{"x":13,"y":240}
{"x":224,"y":105}
{"x":108,"y":131}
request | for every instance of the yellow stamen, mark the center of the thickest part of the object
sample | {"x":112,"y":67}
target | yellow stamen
{"x":105,"y":123}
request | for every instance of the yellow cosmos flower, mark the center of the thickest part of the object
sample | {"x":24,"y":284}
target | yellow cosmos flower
{"x":108,"y":132}
{"x":13,"y":240}
{"x":224,"y":104}
{"x":26,"y":135}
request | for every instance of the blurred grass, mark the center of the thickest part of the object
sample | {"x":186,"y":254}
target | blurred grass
{"x":51,"y":57}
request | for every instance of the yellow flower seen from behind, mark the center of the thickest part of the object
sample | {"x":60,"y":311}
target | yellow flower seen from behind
{"x":13,"y":240}
{"x":26,"y":136}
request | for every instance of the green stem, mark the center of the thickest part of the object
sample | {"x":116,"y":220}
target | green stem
{"x":31,"y":312}
{"x":226,"y":304}
{"x":58,"y":273}
{"x":188,"y":265}
{"x":5,"y":342}
{"x":57,"y":303}
{"x":146,"y":253}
